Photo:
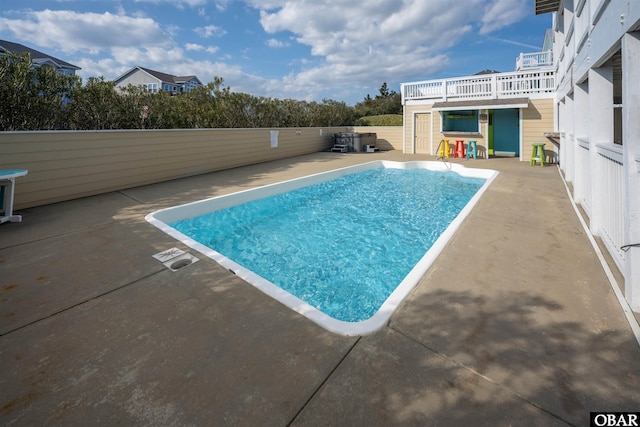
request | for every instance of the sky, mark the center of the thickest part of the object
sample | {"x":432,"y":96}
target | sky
{"x":310,"y":50}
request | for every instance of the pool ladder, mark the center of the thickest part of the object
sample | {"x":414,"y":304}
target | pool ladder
{"x":443,"y":152}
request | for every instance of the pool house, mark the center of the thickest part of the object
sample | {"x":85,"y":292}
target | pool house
{"x":579,"y":97}
{"x":503,"y":113}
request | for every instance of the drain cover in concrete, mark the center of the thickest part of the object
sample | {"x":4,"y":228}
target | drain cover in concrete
{"x":175,"y":259}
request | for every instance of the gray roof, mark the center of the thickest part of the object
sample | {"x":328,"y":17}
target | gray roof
{"x":169,"y":77}
{"x":486,"y":71}
{"x":36,"y":56}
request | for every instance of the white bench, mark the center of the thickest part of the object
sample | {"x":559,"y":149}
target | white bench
{"x":7,"y":190}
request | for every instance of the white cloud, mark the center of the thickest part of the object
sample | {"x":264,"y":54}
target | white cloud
{"x":362,"y":41}
{"x":177,"y":3}
{"x":210,"y":30}
{"x":194,"y":47}
{"x":221,"y":5}
{"x":354,"y":46}
{"x":71,"y":31}
{"x":500,"y":14}
{"x":276,"y":43}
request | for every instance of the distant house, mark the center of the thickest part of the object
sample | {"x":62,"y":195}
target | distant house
{"x":155,"y":81}
{"x":38,"y":58}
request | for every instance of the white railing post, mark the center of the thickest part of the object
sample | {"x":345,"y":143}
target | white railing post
{"x":494,"y":86}
{"x":600,"y":122}
{"x":569,"y":132}
{"x":584,"y":168}
{"x":565,"y":159}
{"x":520,"y":61}
{"x":631,"y":174}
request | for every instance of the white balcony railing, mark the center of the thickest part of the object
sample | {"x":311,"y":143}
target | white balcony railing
{"x":515,"y":84}
{"x":528,"y":61}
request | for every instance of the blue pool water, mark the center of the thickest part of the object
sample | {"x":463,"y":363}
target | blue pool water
{"x":344,"y":245}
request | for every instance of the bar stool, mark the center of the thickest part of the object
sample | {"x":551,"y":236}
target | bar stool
{"x":538,"y":153}
{"x":472,"y":149}
{"x":459,"y":151}
{"x":444,"y":150}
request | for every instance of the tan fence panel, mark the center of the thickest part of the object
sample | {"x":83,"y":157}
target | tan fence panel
{"x":388,"y":137}
{"x":66,"y":165}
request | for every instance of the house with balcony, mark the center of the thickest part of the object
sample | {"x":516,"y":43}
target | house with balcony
{"x":155,"y":81}
{"x":505,"y":113}
{"x":596,"y":44}
{"x":38,"y":59}
{"x":581,"y":97}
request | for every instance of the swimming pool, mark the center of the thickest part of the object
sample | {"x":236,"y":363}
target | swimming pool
{"x":321,"y":245}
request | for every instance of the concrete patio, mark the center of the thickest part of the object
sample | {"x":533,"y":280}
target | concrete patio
{"x":514,"y":324}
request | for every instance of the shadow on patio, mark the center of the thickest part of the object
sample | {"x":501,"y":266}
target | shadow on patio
{"x":515,"y":323}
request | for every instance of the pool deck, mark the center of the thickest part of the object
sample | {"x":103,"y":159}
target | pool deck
{"x":515,"y":323}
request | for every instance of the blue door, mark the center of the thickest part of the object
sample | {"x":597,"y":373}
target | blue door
{"x":506,"y":132}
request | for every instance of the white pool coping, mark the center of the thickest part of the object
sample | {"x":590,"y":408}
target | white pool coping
{"x":163,"y":217}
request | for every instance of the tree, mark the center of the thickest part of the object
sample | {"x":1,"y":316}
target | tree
{"x":93,"y":105}
{"x":387,"y":102}
{"x":384,"y":91}
{"x":334,"y":113}
{"x":136,"y":108}
{"x":33,"y":98}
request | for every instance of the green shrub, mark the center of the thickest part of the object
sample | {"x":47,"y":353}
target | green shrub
{"x":381,"y":120}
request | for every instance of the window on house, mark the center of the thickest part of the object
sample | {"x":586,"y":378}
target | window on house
{"x":460,"y":121}
{"x":151,"y":87}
